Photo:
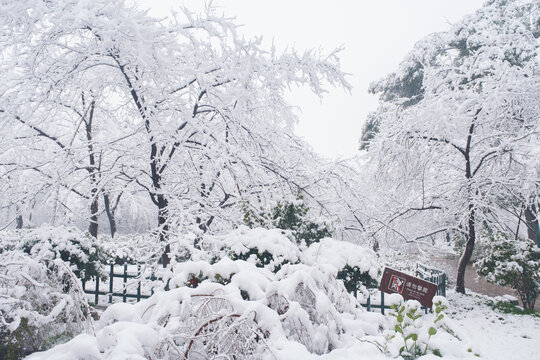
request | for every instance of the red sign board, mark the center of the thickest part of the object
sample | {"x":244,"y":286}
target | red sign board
{"x":410,"y":287}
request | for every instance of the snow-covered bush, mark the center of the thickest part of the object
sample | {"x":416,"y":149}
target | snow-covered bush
{"x":356,"y":266}
{"x":144,"y":248}
{"x":270,"y":249}
{"x":291,"y":215}
{"x":241,"y":311}
{"x":512,"y":262}
{"x":300,"y":307}
{"x":41,"y":304}
{"x":71,"y":245}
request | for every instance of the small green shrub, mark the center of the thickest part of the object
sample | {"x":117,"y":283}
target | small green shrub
{"x":194,"y":280}
{"x":263,"y":259}
{"x":514,"y":263}
{"x":507,"y":307}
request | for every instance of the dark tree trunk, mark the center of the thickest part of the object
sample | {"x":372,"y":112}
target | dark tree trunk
{"x":467,"y":254}
{"x":110,"y":211}
{"x":163,"y":227}
{"x":19,"y":222}
{"x":94,"y":207}
{"x":92,"y":169}
{"x":471,"y":236}
{"x":532,"y":223}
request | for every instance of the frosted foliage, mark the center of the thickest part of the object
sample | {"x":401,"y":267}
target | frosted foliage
{"x":41,"y":303}
{"x":311,"y":311}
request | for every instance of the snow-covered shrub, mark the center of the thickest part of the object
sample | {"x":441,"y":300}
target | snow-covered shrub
{"x":311,"y":303}
{"x":291,"y":215}
{"x":515,"y":263}
{"x":301,"y":308}
{"x":356,"y":266}
{"x":71,"y":245}
{"x":412,"y":336}
{"x":270,"y":249}
{"x":145,"y":247}
{"x":41,"y":304}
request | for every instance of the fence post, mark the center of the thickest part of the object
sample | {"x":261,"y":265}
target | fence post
{"x":152,"y":279}
{"x":382,"y":302}
{"x":139,"y":286}
{"x":124,"y":292}
{"x":444,"y":284}
{"x":96,"y":295}
{"x":369,"y":303}
{"x":111,"y":288}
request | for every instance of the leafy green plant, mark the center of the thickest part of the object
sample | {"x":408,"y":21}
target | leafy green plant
{"x":512,"y":262}
{"x":194,"y":280}
{"x":407,"y":328}
{"x":263,"y":259}
{"x":220,"y":279}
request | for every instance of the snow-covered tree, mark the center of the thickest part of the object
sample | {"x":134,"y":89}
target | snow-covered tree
{"x":458,"y":144}
{"x":192,"y":113}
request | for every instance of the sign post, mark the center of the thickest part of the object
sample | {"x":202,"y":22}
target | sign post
{"x":410,"y":287}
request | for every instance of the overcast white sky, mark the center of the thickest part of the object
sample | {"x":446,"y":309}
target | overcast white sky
{"x":376,"y":34}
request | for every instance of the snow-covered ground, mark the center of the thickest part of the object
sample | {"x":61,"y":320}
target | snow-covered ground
{"x":492,"y":334}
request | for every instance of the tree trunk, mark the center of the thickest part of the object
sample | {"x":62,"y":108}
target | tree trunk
{"x":110,"y":214}
{"x":163,"y":227}
{"x":94,"y":207}
{"x":19,"y":222}
{"x":471,"y":236}
{"x":532,"y":223}
{"x":467,"y":254}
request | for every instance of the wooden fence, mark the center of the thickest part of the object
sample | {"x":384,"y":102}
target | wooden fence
{"x":429,"y":274}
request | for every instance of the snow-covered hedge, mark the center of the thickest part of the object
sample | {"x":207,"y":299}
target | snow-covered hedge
{"x":265,"y":248}
{"x":291,"y":305}
{"x":356,"y":266}
{"x":299,"y":311}
{"x":69,"y":244}
{"x":273,"y":248}
{"x":41,"y":303}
